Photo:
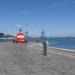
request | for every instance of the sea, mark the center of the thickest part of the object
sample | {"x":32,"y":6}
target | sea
{"x":62,"y":42}
{"x":58,"y":42}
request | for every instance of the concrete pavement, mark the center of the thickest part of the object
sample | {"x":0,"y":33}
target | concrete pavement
{"x":17,"y":59}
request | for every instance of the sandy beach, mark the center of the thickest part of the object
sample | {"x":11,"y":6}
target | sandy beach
{"x":17,"y":59}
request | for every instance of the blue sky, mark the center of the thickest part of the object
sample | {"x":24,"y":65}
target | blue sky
{"x":57,"y":17}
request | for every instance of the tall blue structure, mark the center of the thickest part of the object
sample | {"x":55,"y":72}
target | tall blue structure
{"x":20,"y":30}
{"x":42,"y":34}
{"x":43,"y":38}
{"x":27,"y":34}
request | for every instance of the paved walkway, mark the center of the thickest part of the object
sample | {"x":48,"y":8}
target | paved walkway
{"x":17,"y":59}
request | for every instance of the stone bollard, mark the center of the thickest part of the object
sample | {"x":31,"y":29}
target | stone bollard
{"x":45,"y":48}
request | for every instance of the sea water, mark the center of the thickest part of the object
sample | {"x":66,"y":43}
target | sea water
{"x":62,"y":42}
{"x":5,"y":40}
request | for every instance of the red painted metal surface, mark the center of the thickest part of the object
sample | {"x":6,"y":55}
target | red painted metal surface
{"x":20,"y":37}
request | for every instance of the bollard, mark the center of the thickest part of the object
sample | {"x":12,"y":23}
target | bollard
{"x":45,"y":48}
